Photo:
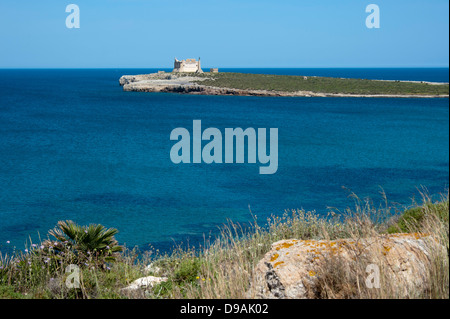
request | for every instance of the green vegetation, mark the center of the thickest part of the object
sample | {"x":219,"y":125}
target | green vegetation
{"x":412,"y":219}
{"x":93,"y":243}
{"x":287,"y":83}
{"x":222,"y":268}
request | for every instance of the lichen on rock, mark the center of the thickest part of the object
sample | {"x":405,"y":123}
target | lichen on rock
{"x":294,"y":268}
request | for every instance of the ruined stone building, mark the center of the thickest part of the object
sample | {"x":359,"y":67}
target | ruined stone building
{"x":188,"y":65}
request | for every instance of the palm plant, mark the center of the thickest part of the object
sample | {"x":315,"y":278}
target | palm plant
{"x":94,"y":243}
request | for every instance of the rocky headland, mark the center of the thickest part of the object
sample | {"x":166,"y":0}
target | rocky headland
{"x":214,"y":84}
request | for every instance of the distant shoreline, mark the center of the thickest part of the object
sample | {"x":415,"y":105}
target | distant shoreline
{"x":244,"y":84}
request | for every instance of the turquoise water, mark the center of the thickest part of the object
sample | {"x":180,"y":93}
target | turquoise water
{"x":73,"y":145}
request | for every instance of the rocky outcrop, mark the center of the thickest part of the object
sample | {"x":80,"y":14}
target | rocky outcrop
{"x":156,"y":82}
{"x":142,"y":285}
{"x":294,"y":268}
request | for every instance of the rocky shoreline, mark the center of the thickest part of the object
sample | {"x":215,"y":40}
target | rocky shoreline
{"x":191,"y":84}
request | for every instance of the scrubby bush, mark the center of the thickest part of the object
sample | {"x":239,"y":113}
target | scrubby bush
{"x":88,"y":245}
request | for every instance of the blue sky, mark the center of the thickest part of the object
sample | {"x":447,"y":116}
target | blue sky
{"x":225,"y":33}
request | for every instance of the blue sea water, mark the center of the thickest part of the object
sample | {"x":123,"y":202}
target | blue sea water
{"x":73,"y":145}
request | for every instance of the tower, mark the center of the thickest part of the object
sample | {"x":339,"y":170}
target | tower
{"x":199,"y":67}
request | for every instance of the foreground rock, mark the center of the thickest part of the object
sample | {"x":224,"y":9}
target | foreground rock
{"x":142,"y":285}
{"x":295,"y":268}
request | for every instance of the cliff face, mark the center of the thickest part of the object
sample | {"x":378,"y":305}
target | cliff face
{"x":157,"y":82}
{"x":300,"y":269}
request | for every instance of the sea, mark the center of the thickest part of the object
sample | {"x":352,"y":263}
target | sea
{"x":75,"y":146}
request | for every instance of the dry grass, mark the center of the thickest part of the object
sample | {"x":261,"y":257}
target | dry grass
{"x":224,"y":267}
{"x":227,"y":265}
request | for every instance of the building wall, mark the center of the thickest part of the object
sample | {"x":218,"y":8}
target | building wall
{"x":188,"y":65}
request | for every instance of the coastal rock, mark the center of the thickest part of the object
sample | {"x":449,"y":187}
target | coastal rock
{"x":293,"y":268}
{"x":151,"y":269}
{"x":141,"y":285}
{"x":159,"y":82}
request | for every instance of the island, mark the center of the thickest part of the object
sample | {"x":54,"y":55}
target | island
{"x":188,"y":77}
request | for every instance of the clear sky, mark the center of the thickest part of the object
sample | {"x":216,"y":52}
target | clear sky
{"x":224,"y":33}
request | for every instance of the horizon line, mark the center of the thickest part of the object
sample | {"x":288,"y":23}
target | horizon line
{"x":230,"y":67}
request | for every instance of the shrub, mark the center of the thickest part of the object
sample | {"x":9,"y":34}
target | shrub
{"x":90,"y":245}
{"x":412,"y":219}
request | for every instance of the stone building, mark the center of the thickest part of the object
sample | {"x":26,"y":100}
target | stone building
{"x":188,"y":65}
